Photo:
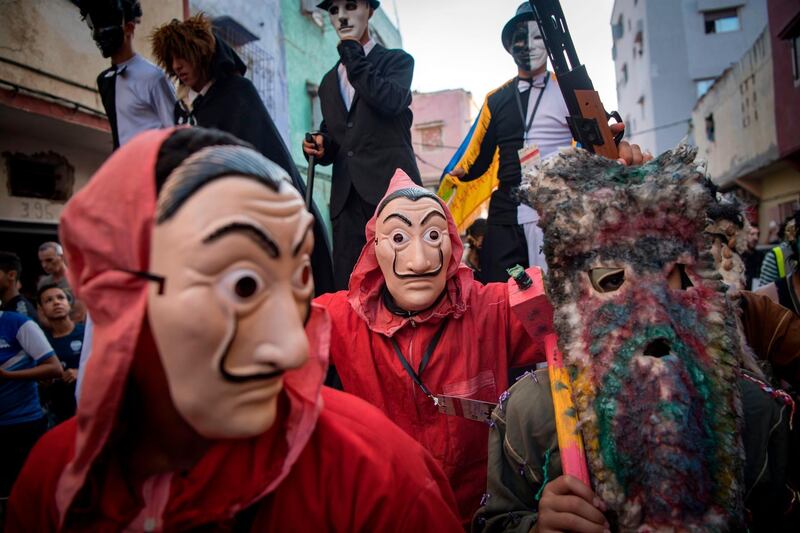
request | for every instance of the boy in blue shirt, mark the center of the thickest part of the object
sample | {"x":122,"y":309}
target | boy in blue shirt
{"x":25,"y":357}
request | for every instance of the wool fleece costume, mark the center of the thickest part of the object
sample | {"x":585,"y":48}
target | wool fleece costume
{"x":652,"y":346}
{"x":366,"y":127}
{"x":199,"y":293}
{"x":409,"y":293}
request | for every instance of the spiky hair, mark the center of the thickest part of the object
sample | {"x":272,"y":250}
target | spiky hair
{"x":191,"y":40}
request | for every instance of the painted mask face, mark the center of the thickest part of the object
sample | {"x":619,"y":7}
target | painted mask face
{"x":349,"y":18}
{"x":413,"y":249}
{"x":527,"y":46}
{"x":229,"y":320}
{"x":649,"y":337}
{"x":107,"y":31}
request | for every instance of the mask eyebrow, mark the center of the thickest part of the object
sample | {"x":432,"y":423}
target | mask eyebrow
{"x":303,"y":237}
{"x":253,"y":232}
{"x":401,"y":217}
{"x":431,"y":214}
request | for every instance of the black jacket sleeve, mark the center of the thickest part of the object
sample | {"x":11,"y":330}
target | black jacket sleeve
{"x":328,"y":144}
{"x":388,"y":92}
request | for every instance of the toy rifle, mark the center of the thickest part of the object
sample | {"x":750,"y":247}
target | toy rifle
{"x":588,"y":119}
{"x":529,"y":303}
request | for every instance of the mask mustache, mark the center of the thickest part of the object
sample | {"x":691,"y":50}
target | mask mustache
{"x":239,"y":378}
{"x":429,"y":274}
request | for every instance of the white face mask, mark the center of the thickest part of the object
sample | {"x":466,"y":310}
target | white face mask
{"x":527,"y":46}
{"x":350,"y":18}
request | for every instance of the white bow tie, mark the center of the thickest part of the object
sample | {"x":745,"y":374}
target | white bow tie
{"x":524,"y":85}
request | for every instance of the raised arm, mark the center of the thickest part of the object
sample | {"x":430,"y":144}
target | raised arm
{"x":388,"y":92}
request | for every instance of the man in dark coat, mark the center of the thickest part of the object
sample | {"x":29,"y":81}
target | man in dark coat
{"x":366,"y":127}
{"x":213,"y":93}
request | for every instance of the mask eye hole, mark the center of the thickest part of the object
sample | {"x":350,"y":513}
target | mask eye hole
{"x":245,"y":287}
{"x":678,"y":278}
{"x":399,"y":238}
{"x":433,"y":235}
{"x":607,"y":279}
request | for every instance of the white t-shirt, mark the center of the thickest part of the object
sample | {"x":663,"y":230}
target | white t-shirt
{"x":549,"y":131}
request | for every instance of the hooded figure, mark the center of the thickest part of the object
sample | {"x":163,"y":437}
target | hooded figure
{"x":411,"y":299}
{"x":214,"y":93}
{"x":678,"y":436}
{"x":203,"y":405}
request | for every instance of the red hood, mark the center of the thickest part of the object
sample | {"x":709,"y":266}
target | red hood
{"x":366,"y":281}
{"x":106,"y":230}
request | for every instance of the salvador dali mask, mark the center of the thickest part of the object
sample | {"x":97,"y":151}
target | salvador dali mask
{"x":350,"y":18}
{"x":413,"y":249}
{"x":648,"y":335}
{"x":527,"y":46}
{"x":229,"y":318}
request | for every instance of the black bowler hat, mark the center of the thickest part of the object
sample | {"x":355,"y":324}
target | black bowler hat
{"x":326,"y":4}
{"x":524,"y":12}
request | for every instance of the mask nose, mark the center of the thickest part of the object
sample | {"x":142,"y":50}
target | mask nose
{"x":280,"y":340}
{"x":419,"y":263}
{"x":658,"y":348}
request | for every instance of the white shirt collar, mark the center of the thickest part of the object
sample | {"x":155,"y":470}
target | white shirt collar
{"x":194,"y":94}
{"x":369,"y":46}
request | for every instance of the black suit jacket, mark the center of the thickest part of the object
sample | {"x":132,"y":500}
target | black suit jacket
{"x":369,"y":142}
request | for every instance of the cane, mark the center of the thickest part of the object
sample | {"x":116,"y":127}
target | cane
{"x":310,"y":174}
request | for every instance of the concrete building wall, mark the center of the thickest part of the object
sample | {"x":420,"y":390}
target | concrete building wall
{"x":784,"y":24}
{"x":49,"y":36}
{"x":441,"y":121}
{"x":740,"y":107}
{"x":667,"y":52}
{"x":50,"y":110}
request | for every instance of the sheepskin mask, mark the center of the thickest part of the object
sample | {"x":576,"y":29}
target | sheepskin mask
{"x":648,"y":335}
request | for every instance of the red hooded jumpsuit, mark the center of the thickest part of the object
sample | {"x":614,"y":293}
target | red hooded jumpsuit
{"x":481,"y":341}
{"x":331,"y":462}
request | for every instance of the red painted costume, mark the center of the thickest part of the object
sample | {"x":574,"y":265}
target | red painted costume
{"x":330,"y":462}
{"x":479,"y":343}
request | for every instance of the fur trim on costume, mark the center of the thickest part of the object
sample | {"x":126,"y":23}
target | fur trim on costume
{"x":654,"y":367}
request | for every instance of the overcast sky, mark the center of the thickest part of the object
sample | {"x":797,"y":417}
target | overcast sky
{"x":456,"y":43}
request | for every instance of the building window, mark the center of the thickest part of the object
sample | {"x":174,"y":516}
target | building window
{"x":640,"y":101}
{"x":703,"y":86}
{"x":618,"y":29}
{"x":431,"y":136}
{"x":710,"y":127}
{"x":638,"y":43}
{"x":45,"y":175}
{"x":260,"y":63}
{"x":722,"y":20}
{"x":625,"y":73}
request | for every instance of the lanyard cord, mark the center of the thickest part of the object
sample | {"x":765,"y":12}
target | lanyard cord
{"x":535,"y":107}
{"x":417,"y":376}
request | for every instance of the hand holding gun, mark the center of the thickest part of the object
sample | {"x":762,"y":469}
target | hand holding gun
{"x":588,"y":119}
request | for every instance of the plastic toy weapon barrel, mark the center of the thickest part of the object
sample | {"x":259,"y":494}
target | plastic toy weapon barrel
{"x":588,"y":119}
{"x":529,"y":303}
{"x":570,"y":443}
